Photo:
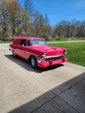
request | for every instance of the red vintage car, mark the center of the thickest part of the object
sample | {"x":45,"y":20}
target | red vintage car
{"x":38,"y":52}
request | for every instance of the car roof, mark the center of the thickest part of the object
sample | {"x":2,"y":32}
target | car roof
{"x":28,"y":38}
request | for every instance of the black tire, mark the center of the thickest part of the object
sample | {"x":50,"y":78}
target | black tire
{"x":33,"y":62}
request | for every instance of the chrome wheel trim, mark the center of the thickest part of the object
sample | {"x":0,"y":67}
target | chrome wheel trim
{"x":33,"y":62}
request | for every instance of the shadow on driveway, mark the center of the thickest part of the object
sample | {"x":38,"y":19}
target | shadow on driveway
{"x":26,"y":65}
{"x":66,"y":98}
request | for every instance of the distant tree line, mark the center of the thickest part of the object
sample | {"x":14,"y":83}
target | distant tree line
{"x":16,"y":20}
{"x":66,"y":29}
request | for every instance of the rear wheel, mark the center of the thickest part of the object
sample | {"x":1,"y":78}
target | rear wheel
{"x":33,"y":62}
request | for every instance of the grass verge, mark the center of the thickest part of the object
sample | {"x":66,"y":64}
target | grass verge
{"x":76,"y":51}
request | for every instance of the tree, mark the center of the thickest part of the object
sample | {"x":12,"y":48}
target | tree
{"x":3,"y":17}
{"x":28,"y":12}
{"x":40,"y":26}
{"x":13,"y":10}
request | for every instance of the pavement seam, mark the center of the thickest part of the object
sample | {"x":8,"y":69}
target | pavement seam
{"x":51,"y":100}
{"x":68,"y":104}
{"x":43,"y":104}
{"x":57,"y":95}
{"x":68,"y":87}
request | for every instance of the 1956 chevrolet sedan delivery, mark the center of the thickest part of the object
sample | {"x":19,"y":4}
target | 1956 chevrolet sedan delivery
{"x":38,"y":52}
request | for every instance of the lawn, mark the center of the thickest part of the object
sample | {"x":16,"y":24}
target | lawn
{"x":76,"y":51}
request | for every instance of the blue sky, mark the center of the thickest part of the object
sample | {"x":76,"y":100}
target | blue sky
{"x":58,"y":10}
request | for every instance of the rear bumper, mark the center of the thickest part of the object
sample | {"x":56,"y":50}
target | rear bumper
{"x":51,"y":63}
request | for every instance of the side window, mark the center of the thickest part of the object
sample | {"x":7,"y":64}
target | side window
{"x":28,"y":43}
{"x":23,"y":42}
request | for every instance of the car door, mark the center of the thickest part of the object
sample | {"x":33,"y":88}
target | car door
{"x":22,"y":50}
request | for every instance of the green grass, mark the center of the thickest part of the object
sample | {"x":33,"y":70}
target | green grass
{"x":65,"y":40}
{"x":76,"y":51}
{"x":57,"y":40}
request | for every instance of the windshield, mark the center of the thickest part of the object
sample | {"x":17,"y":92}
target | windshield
{"x":36,"y":42}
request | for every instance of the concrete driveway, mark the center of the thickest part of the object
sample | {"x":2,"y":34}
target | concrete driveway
{"x":58,"y":89}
